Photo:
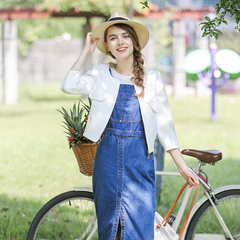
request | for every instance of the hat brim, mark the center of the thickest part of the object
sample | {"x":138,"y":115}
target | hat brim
{"x":141,"y":31}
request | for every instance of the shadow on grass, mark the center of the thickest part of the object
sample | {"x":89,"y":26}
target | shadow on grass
{"x":16,"y":216}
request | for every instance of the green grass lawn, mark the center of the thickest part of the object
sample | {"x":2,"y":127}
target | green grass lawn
{"x":36,"y":163}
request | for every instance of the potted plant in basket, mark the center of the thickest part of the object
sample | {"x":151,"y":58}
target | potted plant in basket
{"x":75,"y":122}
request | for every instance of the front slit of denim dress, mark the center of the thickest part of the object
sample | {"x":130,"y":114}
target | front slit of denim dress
{"x":123,"y":174}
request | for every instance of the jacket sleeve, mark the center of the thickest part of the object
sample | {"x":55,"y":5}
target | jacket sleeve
{"x":75,"y":83}
{"x":165,"y":127}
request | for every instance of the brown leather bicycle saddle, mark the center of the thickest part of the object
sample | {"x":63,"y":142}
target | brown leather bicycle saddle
{"x":207,"y":156}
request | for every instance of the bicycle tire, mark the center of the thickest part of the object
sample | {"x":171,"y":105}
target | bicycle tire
{"x":70,"y":215}
{"x":204,"y":223}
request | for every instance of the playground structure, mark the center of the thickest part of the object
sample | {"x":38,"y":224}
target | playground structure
{"x":216,"y":66}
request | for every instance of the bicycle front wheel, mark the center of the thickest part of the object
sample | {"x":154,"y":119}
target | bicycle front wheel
{"x":70,"y":215}
{"x":204,"y":224}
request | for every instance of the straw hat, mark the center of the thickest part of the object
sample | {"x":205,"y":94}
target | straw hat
{"x":117,"y":17}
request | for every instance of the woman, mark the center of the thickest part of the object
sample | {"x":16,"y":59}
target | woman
{"x":129,"y":107}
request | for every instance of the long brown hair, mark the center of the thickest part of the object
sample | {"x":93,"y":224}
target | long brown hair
{"x":138,"y":61}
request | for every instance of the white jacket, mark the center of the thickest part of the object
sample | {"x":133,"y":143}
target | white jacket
{"x":103,"y":90}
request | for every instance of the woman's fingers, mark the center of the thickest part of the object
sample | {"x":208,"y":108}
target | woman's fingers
{"x":89,"y":38}
{"x":89,"y":43}
{"x":190,"y":177}
{"x":89,"y":35}
{"x":193,"y":180}
{"x":95,"y":42}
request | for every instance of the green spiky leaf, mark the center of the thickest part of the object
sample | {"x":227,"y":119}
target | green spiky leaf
{"x":75,"y":120}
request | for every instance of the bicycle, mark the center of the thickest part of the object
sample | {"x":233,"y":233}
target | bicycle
{"x":71,"y":215}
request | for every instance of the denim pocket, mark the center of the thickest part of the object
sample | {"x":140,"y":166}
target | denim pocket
{"x":123,"y":109}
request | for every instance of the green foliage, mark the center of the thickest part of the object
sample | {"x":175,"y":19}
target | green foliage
{"x":30,"y":35}
{"x":49,"y":28}
{"x":30,"y":30}
{"x":145,"y":5}
{"x":222,"y":8}
{"x":18,"y":3}
{"x":75,"y":122}
{"x":102,"y":6}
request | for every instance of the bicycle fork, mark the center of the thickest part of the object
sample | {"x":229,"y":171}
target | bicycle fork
{"x":214,"y":201}
{"x":219,"y":217}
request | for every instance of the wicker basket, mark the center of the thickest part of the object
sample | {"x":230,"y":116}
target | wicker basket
{"x":85,"y":154}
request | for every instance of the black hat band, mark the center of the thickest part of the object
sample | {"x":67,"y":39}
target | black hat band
{"x":117,"y":18}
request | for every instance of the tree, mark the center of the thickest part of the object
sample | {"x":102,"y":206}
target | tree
{"x":224,"y":7}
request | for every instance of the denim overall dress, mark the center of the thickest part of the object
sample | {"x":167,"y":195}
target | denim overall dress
{"x":123,"y":175}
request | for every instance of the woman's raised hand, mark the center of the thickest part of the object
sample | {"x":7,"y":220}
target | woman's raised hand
{"x":90,"y":45}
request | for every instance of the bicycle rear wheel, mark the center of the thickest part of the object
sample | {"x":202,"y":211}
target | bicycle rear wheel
{"x":204,"y":225}
{"x":70,"y":215}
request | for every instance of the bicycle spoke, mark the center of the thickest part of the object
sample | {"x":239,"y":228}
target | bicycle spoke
{"x":72,"y":218}
{"x":47,"y":236}
{"x":48,"y":229}
{"x":68,"y":229}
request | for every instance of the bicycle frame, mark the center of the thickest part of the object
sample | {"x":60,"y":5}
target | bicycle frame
{"x":205,"y":198}
{"x":209,"y":195}
{"x":184,"y":201}
{"x":186,"y":195}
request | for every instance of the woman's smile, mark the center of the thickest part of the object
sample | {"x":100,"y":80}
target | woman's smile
{"x":122,"y":49}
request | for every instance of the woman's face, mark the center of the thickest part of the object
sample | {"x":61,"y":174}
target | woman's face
{"x":119,"y":43}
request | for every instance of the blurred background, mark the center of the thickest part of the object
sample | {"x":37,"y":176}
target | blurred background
{"x":40,"y":41}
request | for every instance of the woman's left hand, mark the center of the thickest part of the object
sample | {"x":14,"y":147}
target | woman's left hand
{"x":189,"y":176}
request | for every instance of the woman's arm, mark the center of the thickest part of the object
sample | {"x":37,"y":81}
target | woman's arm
{"x":190,"y":177}
{"x":167,"y":134}
{"x":74,"y":83}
